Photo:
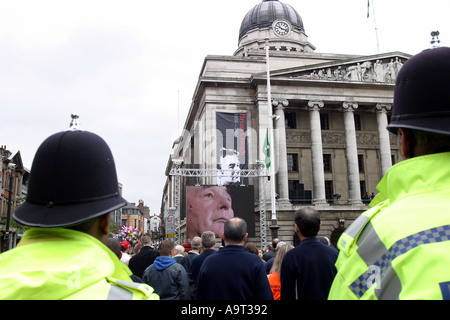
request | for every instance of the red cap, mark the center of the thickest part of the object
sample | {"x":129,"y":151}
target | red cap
{"x":124,"y":245}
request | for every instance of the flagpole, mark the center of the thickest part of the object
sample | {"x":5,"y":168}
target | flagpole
{"x":274,"y":227}
{"x":374,"y":21}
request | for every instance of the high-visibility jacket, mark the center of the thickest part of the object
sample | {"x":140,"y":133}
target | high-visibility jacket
{"x":58,"y":263}
{"x":400,"y":248}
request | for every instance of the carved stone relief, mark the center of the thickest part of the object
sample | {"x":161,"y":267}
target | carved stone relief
{"x":335,"y":139}
{"x":378,"y":71}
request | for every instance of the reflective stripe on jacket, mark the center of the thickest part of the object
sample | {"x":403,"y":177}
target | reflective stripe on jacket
{"x":58,"y":263}
{"x":399,"y":248}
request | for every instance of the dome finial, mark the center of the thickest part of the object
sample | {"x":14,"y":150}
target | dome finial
{"x":75,"y":124}
{"x":435,"y":42}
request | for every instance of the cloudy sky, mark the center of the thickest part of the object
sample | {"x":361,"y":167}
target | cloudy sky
{"x":129,"y":68}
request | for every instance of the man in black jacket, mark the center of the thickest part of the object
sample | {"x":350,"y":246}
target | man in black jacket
{"x":233,"y":273}
{"x":208,"y":244}
{"x":146,"y":256}
{"x":308,"y":270}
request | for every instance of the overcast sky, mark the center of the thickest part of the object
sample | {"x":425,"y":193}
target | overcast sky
{"x":128,"y":67}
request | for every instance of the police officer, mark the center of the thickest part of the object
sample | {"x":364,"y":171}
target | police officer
{"x":399,"y":248}
{"x":72,"y":189}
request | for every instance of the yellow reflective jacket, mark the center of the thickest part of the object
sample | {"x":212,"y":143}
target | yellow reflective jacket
{"x":58,"y":263}
{"x":400,"y":248}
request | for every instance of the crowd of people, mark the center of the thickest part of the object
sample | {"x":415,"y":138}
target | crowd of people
{"x":238,"y":270}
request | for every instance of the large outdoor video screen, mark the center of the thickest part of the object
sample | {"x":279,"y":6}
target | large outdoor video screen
{"x":208,"y":207}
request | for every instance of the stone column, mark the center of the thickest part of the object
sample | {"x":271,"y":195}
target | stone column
{"x":383,"y":136}
{"x":280,"y":137}
{"x":317,"y":152}
{"x":351,"y":152}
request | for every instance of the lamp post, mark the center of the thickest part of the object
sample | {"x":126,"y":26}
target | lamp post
{"x":5,"y":240}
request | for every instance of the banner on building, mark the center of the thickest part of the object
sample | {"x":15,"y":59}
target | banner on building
{"x":232,"y":148}
{"x":208,"y":207}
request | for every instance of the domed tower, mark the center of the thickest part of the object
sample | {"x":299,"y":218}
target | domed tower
{"x":274,"y":20}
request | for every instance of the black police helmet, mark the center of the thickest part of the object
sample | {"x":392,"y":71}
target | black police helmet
{"x":72,"y":179}
{"x":422,"y":93}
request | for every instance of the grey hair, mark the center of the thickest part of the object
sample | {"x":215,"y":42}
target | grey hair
{"x":208,"y":239}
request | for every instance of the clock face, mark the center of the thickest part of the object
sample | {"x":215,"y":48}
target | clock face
{"x":281,"y":28}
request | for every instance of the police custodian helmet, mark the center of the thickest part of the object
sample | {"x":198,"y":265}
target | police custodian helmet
{"x":422,"y":93}
{"x":72,"y":179}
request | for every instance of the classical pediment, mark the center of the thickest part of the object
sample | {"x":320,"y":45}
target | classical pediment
{"x":381,"y":68}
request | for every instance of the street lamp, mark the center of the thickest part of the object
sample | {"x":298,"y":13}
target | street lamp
{"x":5,"y":240}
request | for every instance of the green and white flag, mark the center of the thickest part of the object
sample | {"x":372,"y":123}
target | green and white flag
{"x":266,"y":149}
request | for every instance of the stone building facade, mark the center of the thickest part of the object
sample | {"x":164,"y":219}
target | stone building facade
{"x":329,"y":117}
{"x":13,"y":188}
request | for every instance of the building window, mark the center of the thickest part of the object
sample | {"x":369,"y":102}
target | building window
{"x":393,"y":159}
{"x":294,"y":188}
{"x":292,"y":162}
{"x":327,"y":163}
{"x":357,"y":122}
{"x":324,"y":122}
{"x":298,"y":194}
{"x":364,"y":194}
{"x":329,"y":190}
{"x":361,"y":163}
{"x":291,"y":120}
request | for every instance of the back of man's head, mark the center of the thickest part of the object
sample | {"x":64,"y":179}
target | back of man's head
{"x":179,"y":248}
{"x":124,"y":246}
{"x":208,"y":239}
{"x":146,"y":241}
{"x":166,"y":247}
{"x":308,"y":222}
{"x":235,"y":230}
{"x":196,"y":243}
{"x":114,"y":245}
{"x":275,"y":243}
